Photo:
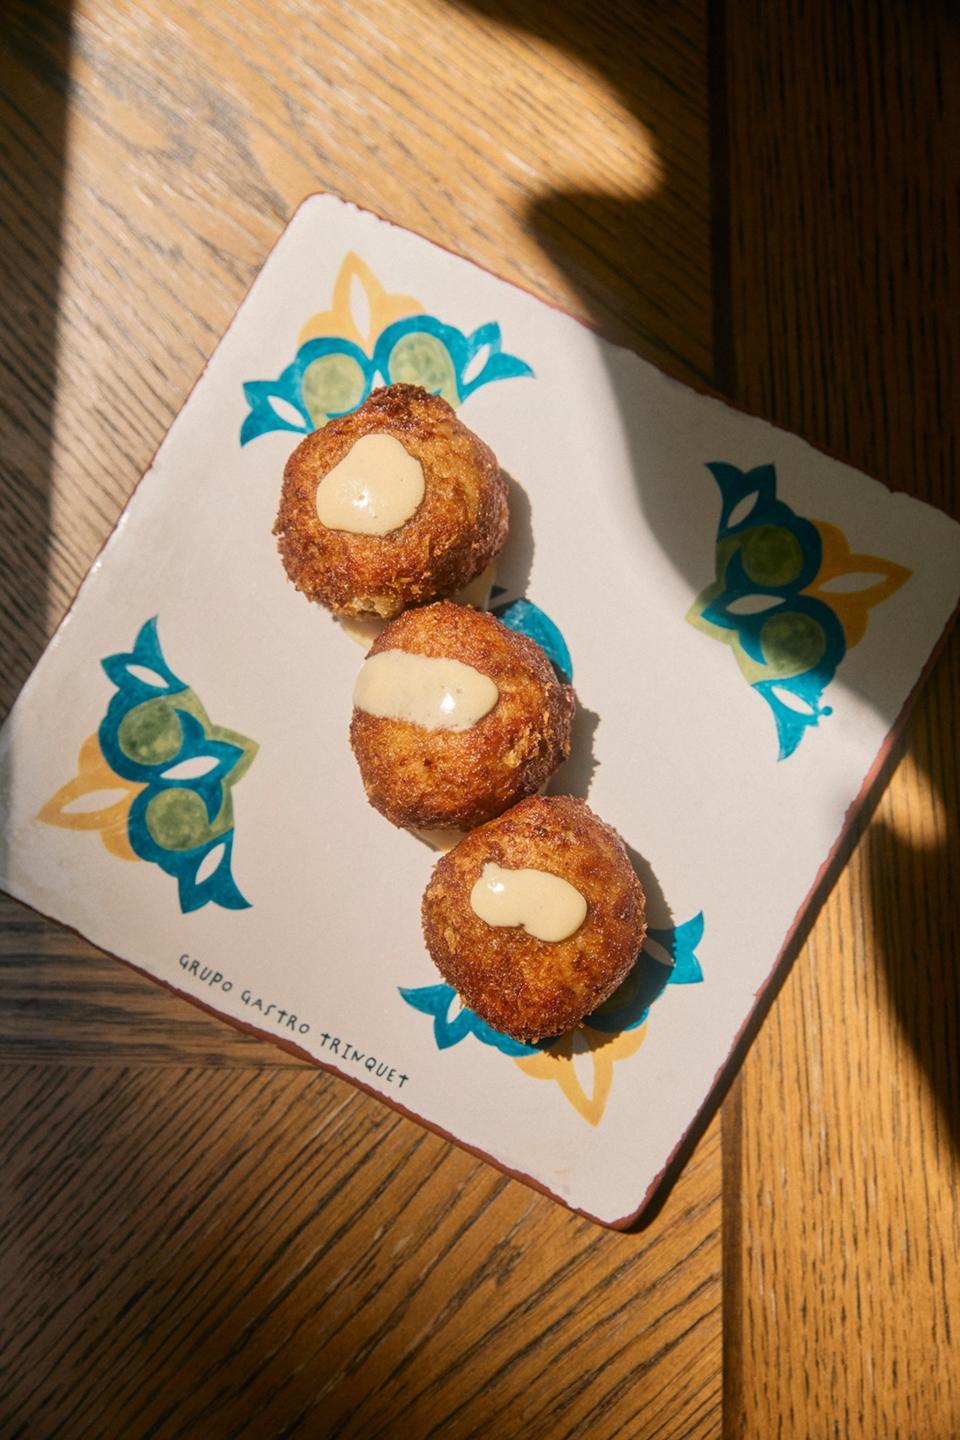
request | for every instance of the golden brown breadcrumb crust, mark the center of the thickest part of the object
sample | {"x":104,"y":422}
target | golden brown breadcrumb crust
{"x":525,"y":987}
{"x":444,"y":778}
{"x":458,"y":528}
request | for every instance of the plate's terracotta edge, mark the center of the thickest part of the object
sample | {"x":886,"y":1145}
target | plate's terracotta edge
{"x":891,"y":739}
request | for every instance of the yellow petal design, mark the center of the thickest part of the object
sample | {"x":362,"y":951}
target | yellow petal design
{"x":93,"y":775}
{"x":340,"y":319}
{"x":852,"y":607}
{"x":556,"y":1063}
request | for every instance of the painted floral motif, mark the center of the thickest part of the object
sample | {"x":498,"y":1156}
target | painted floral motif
{"x":370,"y":337}
{"x":156,"y":780}
{"x":453,"y":1022}
{"x":789,"y":597}
{"x":613,"y":1032}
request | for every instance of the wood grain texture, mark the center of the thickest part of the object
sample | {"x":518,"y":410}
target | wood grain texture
{"x":232,"y":1252}
{"x":198,"y":1234}
{"x":842,"y":1217}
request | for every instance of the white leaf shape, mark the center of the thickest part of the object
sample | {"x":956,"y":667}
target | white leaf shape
{"x":360,"y":306}
{"x":191,"y":769}
{"x":209,"y":863}
{"x":792,"y":702}
{"x":742,"y":509}
{"x":93,"y":801}
{"x":657,"y":952}
{"x":287,"y":412}
{"x":582,"y":1058}
{"x":753,"y":604}
{"x":475,"y":365}
{"x":148,"y":676}
{"x":848,"y":584}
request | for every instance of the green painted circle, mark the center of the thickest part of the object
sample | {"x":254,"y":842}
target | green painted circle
{"x":177,"y":819}
{"x":150,"y":733}
{"x":424,"y":360}
{"x":771,"y":555}
{"x":792,"y":644}
{"x":332,"y":385}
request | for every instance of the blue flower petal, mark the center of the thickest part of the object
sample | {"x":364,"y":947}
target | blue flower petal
{"x":528,"y":619}
{"x":146,"y":654}
{"x":262,"y":395}
{"x":436,"y":1000}
{"x":792,"y":724}
{"x":680,"y":943}
{"x":626,"y":1009}
{"x":498,"y":366}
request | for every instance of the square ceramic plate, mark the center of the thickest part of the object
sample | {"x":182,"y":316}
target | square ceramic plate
{"x":744,"y":618}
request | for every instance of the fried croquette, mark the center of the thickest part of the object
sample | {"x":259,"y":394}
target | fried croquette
{"x":452,"y":534}
{"x":445,"y":778}
{"x":525,"y":987}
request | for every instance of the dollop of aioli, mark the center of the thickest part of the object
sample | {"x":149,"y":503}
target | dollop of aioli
{"x":432,"y":692}
{"x":374,"y":489}
{"x":546,"y":906}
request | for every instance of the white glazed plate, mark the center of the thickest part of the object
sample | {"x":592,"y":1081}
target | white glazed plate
{"x":745,"y":620}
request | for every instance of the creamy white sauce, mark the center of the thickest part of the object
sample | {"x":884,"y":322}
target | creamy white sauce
{"x":546,"y":906}
{"x":435,"y":693}
{"x":373,"y":490}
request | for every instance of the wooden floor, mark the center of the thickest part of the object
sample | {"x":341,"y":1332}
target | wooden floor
{"x":199,"y":1235}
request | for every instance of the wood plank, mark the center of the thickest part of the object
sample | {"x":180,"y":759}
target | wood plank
{"x":242,"y":1252}
{"x":64,"y":1001}
{"x":842,"y":1289}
